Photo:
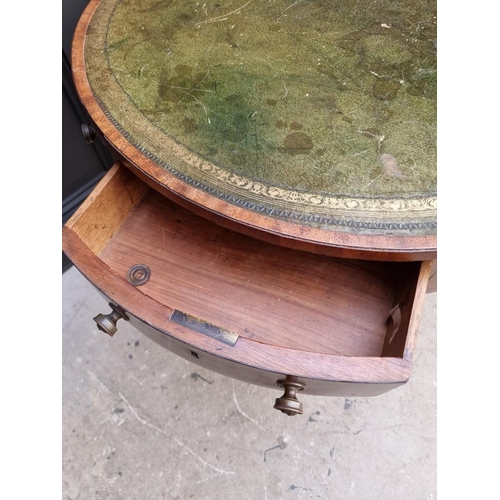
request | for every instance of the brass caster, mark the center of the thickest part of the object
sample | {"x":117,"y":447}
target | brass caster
{"x":288,"y":403}
{"x":107,"y":322}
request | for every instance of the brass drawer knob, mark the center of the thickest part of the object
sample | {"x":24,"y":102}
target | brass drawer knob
{"x":89,"y":133}
{"x":107,"y":322}
{"x":288,"y":403}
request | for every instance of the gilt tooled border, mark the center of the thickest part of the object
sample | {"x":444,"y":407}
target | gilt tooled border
{"x":349,"y":204}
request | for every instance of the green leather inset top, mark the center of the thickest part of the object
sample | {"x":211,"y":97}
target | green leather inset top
{"x":317,"y":111}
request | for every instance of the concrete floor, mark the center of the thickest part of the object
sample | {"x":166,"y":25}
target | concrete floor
{"x":141,"y":423}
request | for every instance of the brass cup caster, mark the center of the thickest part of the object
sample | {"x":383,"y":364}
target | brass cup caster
{"x":107,"y":322}
{"x":288,"y":403}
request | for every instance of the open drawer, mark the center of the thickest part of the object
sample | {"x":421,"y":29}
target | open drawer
{"x":251,"y":310}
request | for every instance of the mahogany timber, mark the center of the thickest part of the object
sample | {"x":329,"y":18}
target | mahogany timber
{"x":103,"y":212}
{"x":292,"y":235}
{"x":331,"y":326}
{"x":432,"y":285}
{"x":410,"y":298}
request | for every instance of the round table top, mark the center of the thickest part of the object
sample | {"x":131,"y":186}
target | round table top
{"x":313,"y":120}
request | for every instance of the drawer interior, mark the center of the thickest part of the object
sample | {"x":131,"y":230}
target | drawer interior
{"x":259,"y":291}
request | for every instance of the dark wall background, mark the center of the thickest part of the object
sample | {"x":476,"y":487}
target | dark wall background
{"x":83,"y":165}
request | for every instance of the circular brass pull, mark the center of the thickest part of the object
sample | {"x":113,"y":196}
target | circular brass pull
{"x":107,"y":322}
{"x":288,"y":403}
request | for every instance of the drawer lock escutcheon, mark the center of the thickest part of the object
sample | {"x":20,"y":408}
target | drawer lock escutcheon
{"x":138,"y":275}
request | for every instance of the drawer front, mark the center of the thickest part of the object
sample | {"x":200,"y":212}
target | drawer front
{"x":253,"y":374}
{"x":246,"y":309}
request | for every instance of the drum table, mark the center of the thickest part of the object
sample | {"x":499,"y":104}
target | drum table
{"x":271,"y":214}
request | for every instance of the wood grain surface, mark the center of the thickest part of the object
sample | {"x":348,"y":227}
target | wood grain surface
{"x":295,"y":313}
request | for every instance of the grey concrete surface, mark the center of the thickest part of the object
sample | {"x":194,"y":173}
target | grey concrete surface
{"x":141,"y":423}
